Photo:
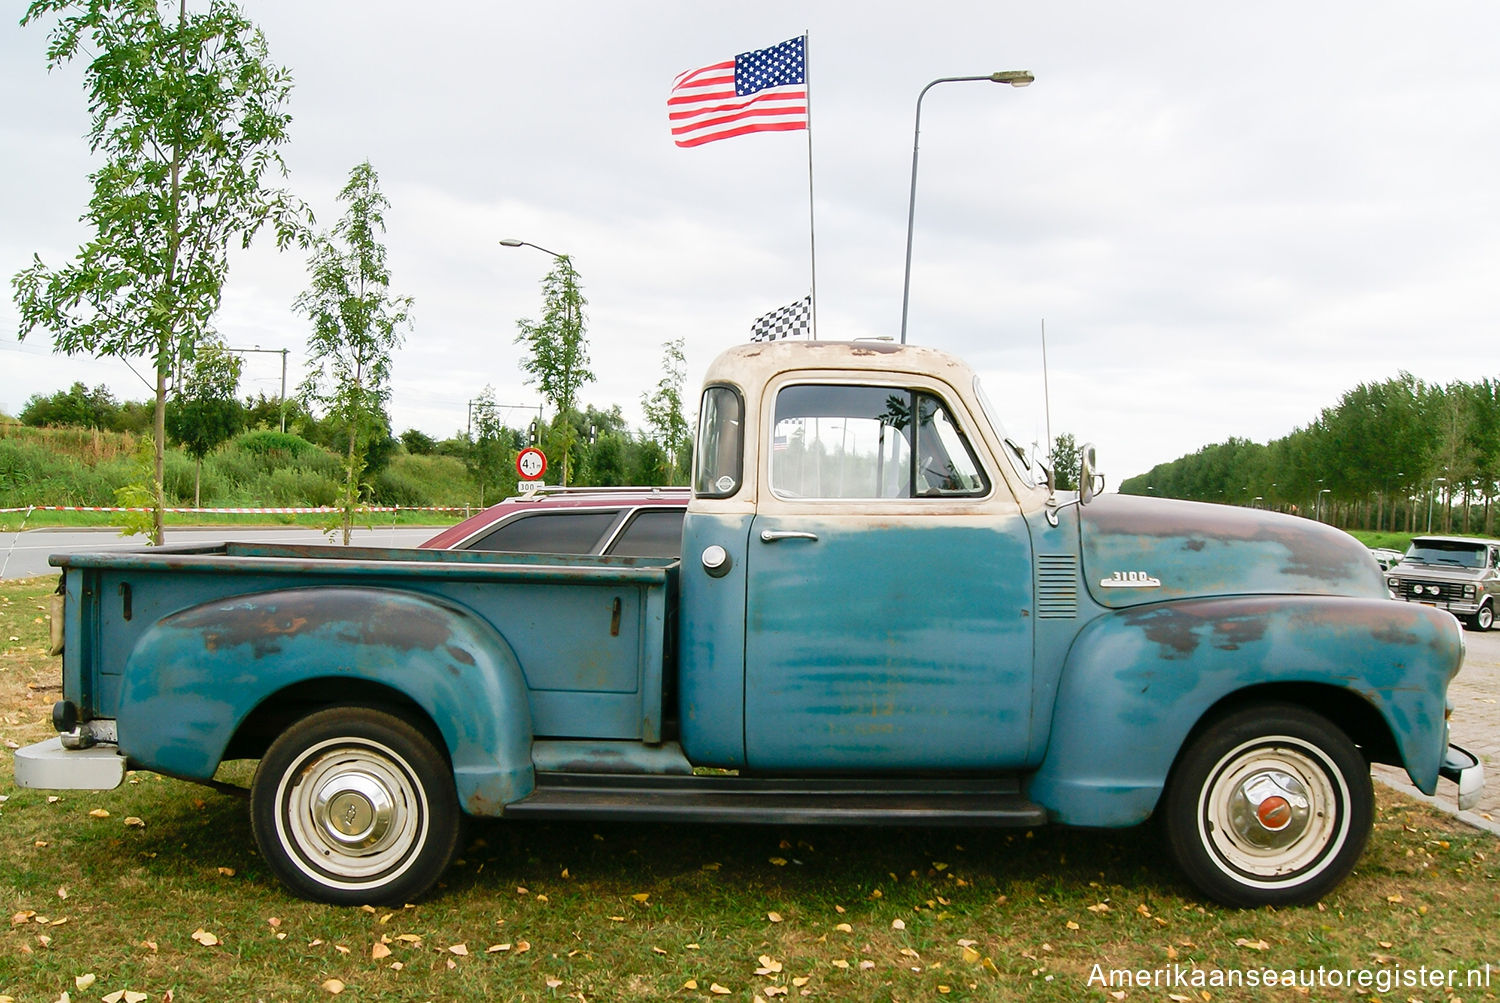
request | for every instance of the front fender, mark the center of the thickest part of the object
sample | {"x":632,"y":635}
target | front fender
{"x":1136,"y":682}
{"x":196,"y":675}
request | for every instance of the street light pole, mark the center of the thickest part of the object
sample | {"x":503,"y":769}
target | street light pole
{"x":1016,"y":78}
{"x":567,"y":317}
{"x":1432,"y":490}
{"x":1318,"y":509}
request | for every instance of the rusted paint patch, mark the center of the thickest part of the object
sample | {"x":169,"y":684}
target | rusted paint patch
{"x":368,"y":617}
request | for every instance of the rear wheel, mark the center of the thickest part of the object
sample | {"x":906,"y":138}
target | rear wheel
{"x":1271,"y":805}
{"x":353,"y":805}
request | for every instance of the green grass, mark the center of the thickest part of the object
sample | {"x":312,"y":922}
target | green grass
{"x":1381,"y":538}
{"x":637,"y":912}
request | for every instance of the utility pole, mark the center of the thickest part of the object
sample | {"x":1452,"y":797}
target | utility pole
{"x":270,"y":351}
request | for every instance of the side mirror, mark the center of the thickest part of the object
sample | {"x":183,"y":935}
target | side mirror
{"x":1086,"y":475}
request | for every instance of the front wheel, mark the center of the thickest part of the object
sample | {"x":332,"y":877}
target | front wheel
{"x":353,"y":805}
{"x":1271,"y":805}
{"x":1484,"y":619}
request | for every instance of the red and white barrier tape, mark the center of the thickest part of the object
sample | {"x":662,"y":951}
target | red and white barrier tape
{"x":239,"y":511}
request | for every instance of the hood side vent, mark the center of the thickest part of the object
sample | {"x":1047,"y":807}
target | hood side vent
{"x":1056,"y":586}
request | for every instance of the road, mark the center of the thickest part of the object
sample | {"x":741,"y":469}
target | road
{"x":23,"y":555}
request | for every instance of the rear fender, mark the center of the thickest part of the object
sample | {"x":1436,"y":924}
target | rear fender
{"x":1137,"y":682}
{"x":196,"y":675}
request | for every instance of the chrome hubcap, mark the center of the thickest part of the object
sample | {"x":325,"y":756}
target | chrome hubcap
{"x":354,"y":810}
{"x":1269,"y":809}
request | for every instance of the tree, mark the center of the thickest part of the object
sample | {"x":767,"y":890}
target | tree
{"x":1065,"y":459}
{"x":663,"y":409}
{"x":491,"y":449}
{"x":76,"y":406}
{"x":188,"y":119}
{"x":357,"y":323}
{"x":418,"y":443}
{"x":205,"y":415}
{"x":557,"y":357}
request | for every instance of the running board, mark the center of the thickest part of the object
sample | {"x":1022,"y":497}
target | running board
{"x":780,"y":801}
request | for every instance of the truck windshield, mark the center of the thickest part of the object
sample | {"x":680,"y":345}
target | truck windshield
{"x":1455,"y":553}
{"x":1014,"y":454}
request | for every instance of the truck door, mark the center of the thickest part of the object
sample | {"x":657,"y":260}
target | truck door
{"x":888,"y":613}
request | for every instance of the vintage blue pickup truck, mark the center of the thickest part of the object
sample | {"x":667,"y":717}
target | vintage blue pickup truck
{"x":879,"y":616}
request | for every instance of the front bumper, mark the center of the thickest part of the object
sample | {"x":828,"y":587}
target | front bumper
{"x":49,"y":766}
{"x":1460,"y":608}
{"x":1464,"y":768}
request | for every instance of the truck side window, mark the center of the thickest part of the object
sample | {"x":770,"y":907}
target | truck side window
{"x":719,"y":452}
{"x":857,"y":442}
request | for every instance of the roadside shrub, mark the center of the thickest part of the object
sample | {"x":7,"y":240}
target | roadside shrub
{"x":397,"y":487}
{"x":288,"y":487}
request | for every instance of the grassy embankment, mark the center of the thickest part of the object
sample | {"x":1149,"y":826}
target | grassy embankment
{"x":81,"y":467}
{"x":156,"y":888}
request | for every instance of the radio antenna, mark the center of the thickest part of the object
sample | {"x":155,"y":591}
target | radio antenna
{"x":1046,"y":393}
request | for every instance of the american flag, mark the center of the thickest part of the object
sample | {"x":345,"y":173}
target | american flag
{"x":760,"y":91}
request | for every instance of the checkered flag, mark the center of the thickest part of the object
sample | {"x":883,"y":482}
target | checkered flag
{"x":790,"y":321}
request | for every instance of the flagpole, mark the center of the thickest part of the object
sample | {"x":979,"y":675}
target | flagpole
{"x":812,"y":230}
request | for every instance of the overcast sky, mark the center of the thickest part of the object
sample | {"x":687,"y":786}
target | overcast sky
{"x":1227,"y":215}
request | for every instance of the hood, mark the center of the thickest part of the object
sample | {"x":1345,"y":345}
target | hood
{"x":1436,"y":572}
{"x":1143,"y":550}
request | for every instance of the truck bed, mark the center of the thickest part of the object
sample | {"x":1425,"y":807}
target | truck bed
{"x":588,"y":633}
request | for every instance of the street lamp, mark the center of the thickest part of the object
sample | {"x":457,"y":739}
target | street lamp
{"x":567,"y":316}
{"x":513,"y":242}
{"x":1016,"y":78}
{"x":1432,"y":490}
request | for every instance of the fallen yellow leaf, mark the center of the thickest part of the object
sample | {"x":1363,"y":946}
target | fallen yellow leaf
{"x":462,"y":950}
{"x":774,"y":917}
{"x":1252,"y":945}
{"x":333,"y":986}
{"x":641,"y":896}
{"x":379,"y":951}
{"x":205,"y":938}
{"x":84,"y":981}
{"x":690,"y":984}
{"x":718,"y":990}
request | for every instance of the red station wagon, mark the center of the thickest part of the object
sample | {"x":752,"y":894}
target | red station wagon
{"x":623,"y":522}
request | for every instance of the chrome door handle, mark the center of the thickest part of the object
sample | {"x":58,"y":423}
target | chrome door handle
{"x":772,"y":535}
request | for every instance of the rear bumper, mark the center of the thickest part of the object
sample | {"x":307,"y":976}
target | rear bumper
{"x":1464,"y":768}
{"x":49,"y":766}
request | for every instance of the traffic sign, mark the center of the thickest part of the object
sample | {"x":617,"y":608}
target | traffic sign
{"x":531,"y":463}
